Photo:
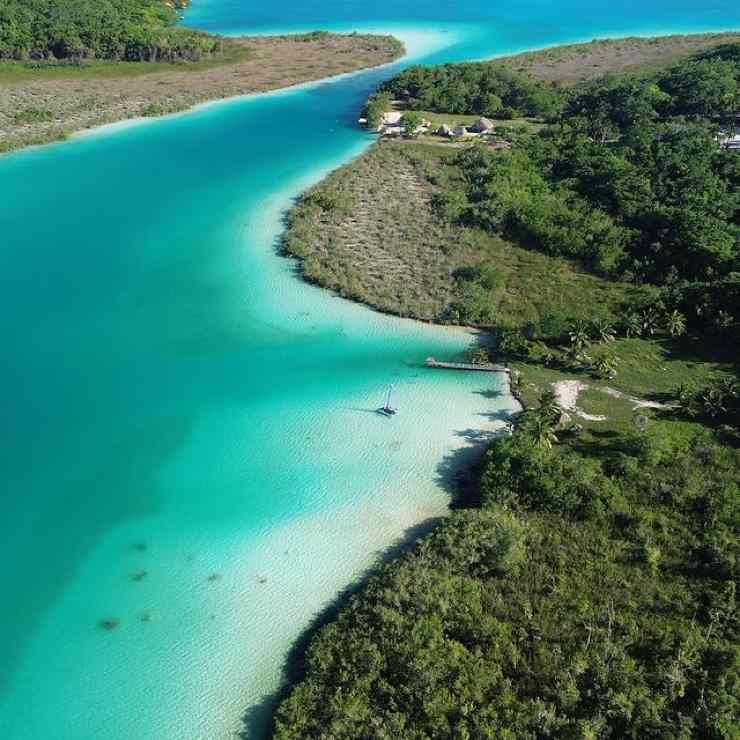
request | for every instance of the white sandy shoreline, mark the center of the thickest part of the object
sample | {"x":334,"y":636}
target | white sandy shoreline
{"x":413,"y":45}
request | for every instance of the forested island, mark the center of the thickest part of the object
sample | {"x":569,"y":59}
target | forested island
{"x":585,"y":585}
{"x":68,"y":65}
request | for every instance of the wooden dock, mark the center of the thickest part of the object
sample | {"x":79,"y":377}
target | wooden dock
{"x":471,"y":366}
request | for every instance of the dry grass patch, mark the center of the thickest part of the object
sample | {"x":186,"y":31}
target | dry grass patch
{"x":115,"y":91}
{"x":577,"y":62}
{"x":369,"y":232}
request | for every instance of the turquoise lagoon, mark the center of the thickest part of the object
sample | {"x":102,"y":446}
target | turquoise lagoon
{"x":189,"y":440}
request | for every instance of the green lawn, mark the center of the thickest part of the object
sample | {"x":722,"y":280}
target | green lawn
{"x":533,"y":284}
{"x":648,"y":369}
{"x":455,"y":119}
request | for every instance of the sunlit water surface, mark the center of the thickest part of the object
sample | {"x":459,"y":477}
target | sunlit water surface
{"x":190,"y":448}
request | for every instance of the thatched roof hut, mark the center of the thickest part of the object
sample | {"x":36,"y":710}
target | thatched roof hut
{"x":482,"y":126}
{"x":391,"y":130}
{"x":391,"y":117}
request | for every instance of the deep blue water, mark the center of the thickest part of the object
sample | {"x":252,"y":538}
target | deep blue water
{"x":188,"y":445}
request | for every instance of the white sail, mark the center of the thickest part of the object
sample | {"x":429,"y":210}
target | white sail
{"x":389,"y":399}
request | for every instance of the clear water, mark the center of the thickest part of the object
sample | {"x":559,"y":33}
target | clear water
{"x":189,"y":443}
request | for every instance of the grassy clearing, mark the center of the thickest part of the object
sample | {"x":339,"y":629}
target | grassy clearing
{"x":534,"y":285}
{"x":370,"y":233}
{"x":649,"y":370}
{"x":653,"y":367}
{"x":455,"y":119}
{"x":32,"y":115}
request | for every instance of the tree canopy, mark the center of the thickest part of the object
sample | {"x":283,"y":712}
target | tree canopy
{"x":130,"y":30}
{"x":482,"y":88}
{"x":630,"y":180}
{"x":580,"y":598}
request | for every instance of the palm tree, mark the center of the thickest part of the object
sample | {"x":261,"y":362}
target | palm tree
{"x":729,"y":387}
{"x":602,"y":330}
{"x":687,"y":399}
{"x":546,"y":355}
{"x":675,"y":323}
{"x":479,"y":356}
{"x":633,"y":325}
{"x":722,"y":320}
{"x":650,"y":320}
{"x":542,"y":431}
{"x":606,"y":366}
{"x":579,"y":335}
{"x":549,"y":406}
{"x":713,"y":402}
{"x":584,"y":360}
{"x":540,"y":423}
{"x":721,"y":396}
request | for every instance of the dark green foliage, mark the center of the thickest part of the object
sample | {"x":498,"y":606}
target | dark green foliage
{"x":667,"y":184}
{"x":411,"y":121}
{"x":624,"y":182}
{"x":131,"y":30}
{"x":474,"y":287}
{"x":709,"y":306}
{"x":613,"y":105}
{"x":477,"y":87}
{"x":329,"y":202}
{"x":619,"y":183}
{"x":717,"y":402}
{"x":601,"y":605}
{"x":507,"y":192}
{"x":703,"y":87}
{"x":375,"y":106}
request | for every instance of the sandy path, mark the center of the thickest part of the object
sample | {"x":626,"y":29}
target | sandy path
{"x":567,"y":392}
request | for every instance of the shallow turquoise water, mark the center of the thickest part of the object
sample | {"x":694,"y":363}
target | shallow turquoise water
{"x":483,"y":27}
{"x":177,"y":407}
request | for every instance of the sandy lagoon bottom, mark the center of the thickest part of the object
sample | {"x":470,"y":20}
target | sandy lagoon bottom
{"x":228,"y":589}
{"x":192,"y":444}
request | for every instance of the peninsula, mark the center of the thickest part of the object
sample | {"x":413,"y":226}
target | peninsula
{"x":585,"y":585}
{"x":52,"y":86}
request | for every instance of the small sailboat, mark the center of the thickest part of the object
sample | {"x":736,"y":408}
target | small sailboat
{"x":388,"y":409}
